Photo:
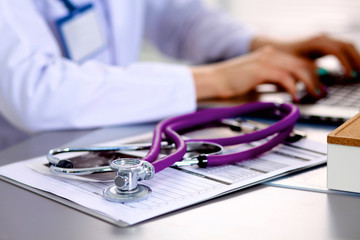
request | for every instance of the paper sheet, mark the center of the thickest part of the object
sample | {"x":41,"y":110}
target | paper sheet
{"x":173,"y":188}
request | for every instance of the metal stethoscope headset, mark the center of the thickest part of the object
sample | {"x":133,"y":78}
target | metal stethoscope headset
{"x":130,"y":170}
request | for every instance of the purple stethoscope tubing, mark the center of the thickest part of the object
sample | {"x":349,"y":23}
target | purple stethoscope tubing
{"x":169,"y":128}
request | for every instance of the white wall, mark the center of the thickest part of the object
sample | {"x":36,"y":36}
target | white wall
{"x":290,"y":18}
{"x":295,"y":17}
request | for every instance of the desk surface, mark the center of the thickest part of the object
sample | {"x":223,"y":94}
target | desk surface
{"x":260,"y":212}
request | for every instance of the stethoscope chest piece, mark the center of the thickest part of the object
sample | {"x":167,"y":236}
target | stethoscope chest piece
{"x":141,"y":192}
{"x":128,"y":172}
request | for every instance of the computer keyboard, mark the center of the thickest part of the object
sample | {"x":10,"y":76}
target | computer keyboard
{"x":342,"y":95}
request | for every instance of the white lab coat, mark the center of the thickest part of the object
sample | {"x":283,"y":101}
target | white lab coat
{"x":42,"y":90}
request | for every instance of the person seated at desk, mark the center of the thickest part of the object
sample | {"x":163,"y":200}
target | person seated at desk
{"x":71,"y":64}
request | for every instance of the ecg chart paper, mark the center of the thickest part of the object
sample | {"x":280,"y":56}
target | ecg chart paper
{"x":173,"y":188}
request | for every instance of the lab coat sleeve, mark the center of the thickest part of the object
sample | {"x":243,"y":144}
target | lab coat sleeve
{"x":41,"y":90}
{"x":186,"y":29}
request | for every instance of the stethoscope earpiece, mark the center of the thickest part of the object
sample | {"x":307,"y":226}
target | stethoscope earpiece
{"x":64,"y":164}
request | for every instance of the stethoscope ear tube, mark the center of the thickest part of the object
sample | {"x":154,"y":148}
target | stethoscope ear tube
{"x":281,"y":129}
{"x":169,"y":127}
{"x":65,"y":166}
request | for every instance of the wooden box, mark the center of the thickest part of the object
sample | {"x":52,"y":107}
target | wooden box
{"x":344,"y":156}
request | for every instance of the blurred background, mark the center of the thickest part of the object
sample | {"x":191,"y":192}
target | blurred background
{"x":288,"y":19}
{"x":294,"y":17}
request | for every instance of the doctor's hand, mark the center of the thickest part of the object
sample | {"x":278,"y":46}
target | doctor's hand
{"x":240,"y":75}
{"x":315,"y":47}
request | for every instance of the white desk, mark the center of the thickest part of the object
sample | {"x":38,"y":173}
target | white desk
{"x":261,"y":212}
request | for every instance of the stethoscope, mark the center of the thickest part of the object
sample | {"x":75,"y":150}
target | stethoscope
{"x":166,"y":134}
